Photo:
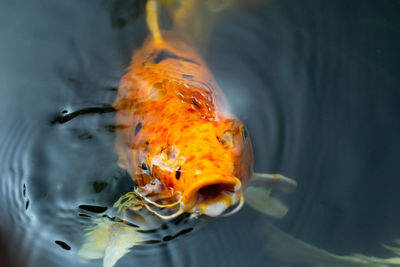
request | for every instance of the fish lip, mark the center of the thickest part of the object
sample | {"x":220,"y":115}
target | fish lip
{"x":229,"y":194}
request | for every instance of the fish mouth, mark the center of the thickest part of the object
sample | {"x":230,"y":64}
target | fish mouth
{"x":213,"y":195}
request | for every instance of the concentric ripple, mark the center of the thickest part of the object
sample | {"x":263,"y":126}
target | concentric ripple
{"x":316,"y":83}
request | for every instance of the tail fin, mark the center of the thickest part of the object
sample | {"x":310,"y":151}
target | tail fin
{"x":152,"y":20}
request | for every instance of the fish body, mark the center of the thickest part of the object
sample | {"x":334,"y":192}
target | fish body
{"x":177,"y":139}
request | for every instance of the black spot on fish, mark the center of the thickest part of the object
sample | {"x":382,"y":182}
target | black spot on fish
{"x":95,"y":209}
{"x":63,"y":245}
{"x":187,"y":76}
{"x":197,"y":104}
{"x":27,"y":204}
{"x":84,"y":215}
{"x":178,"y":173}
{"x":138,"y":127}
{"x":24,"y":190}
{"x":161,"y":55}
{"x":146,"y":143}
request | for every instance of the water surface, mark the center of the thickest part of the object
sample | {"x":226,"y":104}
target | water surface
{"x":316,"y":82}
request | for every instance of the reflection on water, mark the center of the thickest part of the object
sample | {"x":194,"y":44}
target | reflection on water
{"x":316,"y":84}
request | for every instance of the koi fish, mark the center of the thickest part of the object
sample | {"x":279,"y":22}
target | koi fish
{"x":180,"y":144}
{"x":187,"y":153}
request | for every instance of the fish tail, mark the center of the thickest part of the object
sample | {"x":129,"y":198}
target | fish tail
{"x":152,"y":20}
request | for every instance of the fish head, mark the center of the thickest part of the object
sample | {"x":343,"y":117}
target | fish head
{"x":221,"y":169}
{"x":200,"y":168}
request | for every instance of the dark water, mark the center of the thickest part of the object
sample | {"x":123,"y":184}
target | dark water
{"x":316,"y":82}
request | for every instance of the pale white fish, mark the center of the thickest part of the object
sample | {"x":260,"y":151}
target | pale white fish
{"x":110,"y":239}
{"x":286,"y":248}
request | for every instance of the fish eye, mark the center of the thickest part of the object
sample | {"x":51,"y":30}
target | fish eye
{"x":227,"y":139}
{"x":146,"y":168}
{"x":243,"y":131}
{"x":178,"y":173}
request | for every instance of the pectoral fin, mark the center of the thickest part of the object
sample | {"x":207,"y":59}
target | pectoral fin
{"x":96,"y":241}
{"x":260,"y":200}
{"x":258,"y":193}
{"x":111,"y":238}
{"x":108,"y":240}
{"x":277,"y":181}
{"x":122,"y":239}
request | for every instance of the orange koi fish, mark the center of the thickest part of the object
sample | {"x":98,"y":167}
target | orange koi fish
{"x":180,"y":144}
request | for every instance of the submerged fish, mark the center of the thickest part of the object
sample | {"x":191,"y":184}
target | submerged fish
{"x":186,"y":153}
{"x":179,"y":143}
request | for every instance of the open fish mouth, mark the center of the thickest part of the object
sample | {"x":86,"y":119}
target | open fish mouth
{"x":212,"y":196}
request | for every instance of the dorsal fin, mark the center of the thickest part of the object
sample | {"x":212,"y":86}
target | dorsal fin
{"x":152,"y":20}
